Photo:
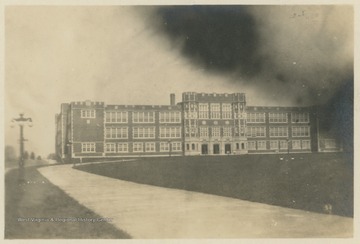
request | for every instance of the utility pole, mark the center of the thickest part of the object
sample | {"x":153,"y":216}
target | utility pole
{"x":21,"y":122}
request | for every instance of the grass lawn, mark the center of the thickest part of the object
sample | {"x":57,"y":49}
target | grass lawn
{"x":36,"y":197}
{"x":307,"y":182}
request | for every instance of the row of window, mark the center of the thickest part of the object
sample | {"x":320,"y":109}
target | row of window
{"x":116,"y":117}
{"x":250,"y":117}
{"x":122,"y":117}
{"x":253,"y":131}
{"x":255,"y":117}
{"x":142,"y":132}
{"x":175,"y":116}
{"x":175,"y":132}
{"x":278,"y":117}
{"x":256,"y":131}
{"x":278,"y":131}
{"x":170,"y":117}
{"x":215,"y":131}
{"x":214,"y":111}
{"x":170,"y":132}
{"x":143,"y":117}
{"x":116,"y":132}
{"x":90,"y":147}
{"x":88,"y":113}
{"x":282,"y":144}
{"x":300,"y":131}
{"x":328,"y":143}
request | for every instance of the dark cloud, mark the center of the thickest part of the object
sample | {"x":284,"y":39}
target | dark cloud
{"x":221,"y":38}
{"x":301,"y":50}
{"x":299,"y":55}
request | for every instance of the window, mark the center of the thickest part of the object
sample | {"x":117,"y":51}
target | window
{"x":283,"y":144}
{"x":170,"y":117}
{"x":110,"y":147}
{"x":193,"y":146}
{"x":149,"y":146}
{"x":227,"y":132}
{"x":274,"y":145}
{"x":88,"y":113}
{"x":261,"y":145}
{"x":251,"y":145}
{"x":329,"y":143}
{"x":193,"y":130}
{"x":123,"y":132}
{"x":278,"y":118}
{"x":143,"y":132}
{"x":204,"y":132}
{"x":176,"y":146}
{"x":226,"y":111}
{"x":138,"y":147}
{"x":143,"y":117}
{"x":164,"y":146}
{"x":279,"y":131}
{"x":300,"y":131}
{"x":255,"y":131}
{"x":296,"y":144}
{"x":170,"y":132}
{"x":116,"y":132}
{"x":116,"y":117}
{"x":190,"y":115}
{"x":305,"y":144}
{"x":215,"y":110}
{"x":300,"y":117}
{"x":88,"y":147}
{"x":187,"y":147}
{"x":203,"y":111}
{"x":123,"y":147}
{"x":215,"y":131}
{"x":255,"y":118}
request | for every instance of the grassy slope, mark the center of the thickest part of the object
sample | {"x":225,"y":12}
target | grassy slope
{"x":308,"y":182}
{"x":41,"y":199}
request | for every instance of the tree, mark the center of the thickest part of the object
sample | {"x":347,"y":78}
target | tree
{"x":32,"y":155}
{"x":38,"y":157}
{"x":51,"y":156}
{"x":26,"y":155}
{"x":10,"y":154}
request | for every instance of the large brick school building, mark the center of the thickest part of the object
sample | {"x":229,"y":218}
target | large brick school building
{"x":201,"y":124}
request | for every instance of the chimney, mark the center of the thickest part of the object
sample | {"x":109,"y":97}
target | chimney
{"x":172,"y":99}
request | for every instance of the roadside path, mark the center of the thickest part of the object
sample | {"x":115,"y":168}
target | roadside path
{"x":146,"y":211}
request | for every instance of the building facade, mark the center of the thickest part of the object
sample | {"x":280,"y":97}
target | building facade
{"x":201,"y":124}
{"x":214,"y":123}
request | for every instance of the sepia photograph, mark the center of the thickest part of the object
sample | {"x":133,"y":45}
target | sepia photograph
{"x":179,"y":121}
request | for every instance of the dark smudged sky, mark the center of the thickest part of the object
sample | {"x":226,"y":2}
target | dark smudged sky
{"x":300,"y":55}
{"x":304,"y":52}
